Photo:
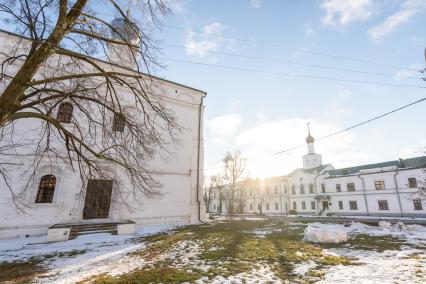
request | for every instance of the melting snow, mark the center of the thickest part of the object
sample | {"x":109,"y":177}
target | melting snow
{"x":374,"y":267}
{"x":100,"y":253}
{"x":320,"y":233}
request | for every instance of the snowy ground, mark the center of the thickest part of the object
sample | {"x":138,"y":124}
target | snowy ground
{"x":243,"y":251}
{"x":75,"y":260}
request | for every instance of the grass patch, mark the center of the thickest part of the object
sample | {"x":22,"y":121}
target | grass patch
{"x":376,"y":243}
{"x":19,"y":272}
{"x":158,"y":274}
{"x":230,"y":248}
{"x":66,"y":254}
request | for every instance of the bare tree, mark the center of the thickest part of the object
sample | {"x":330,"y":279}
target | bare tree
{"x":218,"y":185}
{"x":57,"y":61}
{"x":207,"y":196}
{"x":234,"y":166}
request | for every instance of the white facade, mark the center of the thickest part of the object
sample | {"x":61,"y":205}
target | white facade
{"x":383,"y":189}
{"x":180,"y":174}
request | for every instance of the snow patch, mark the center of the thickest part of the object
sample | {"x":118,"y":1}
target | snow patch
{"x":96,"y":254}
{"x":325,"y":233}
{"x":304,"y":267}
{"x":374,"y":267}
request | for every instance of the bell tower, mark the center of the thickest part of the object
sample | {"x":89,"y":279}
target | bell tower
{"x":126,"y":52}
{"x":311,"y":159}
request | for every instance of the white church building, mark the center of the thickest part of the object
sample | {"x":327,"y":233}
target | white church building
{"x":382,"y":189}
{"x":54,"y":200}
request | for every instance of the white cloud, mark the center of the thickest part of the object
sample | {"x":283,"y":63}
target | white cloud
{"x":255,"y":3}
{"x":337,"y":104}
{"x":410,"y":71}
{"x":222,"y":127}
{"x":339,"y":13}
{"x":200,"y":44}
{"x":417,"y":149}
{"x":407,"y":10}
{"x":258,"y":142}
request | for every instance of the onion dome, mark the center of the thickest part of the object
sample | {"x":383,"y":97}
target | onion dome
{"x":125,"y":30}
{"x":310,"y":139}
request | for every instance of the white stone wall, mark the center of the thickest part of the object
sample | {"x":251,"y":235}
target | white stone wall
{"x":176,"y":172}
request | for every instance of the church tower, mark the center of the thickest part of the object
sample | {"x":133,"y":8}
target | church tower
{"x":311,"y":160}
{"x":126,"y":32}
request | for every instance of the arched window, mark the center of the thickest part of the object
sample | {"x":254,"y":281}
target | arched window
{"x":302,"y":189}
{"x":311,"y":188}
{"x":65,"y":111}
{"x":46,"y":189}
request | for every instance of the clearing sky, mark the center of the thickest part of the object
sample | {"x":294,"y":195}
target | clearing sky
{"x":262,"y":64}
{"x":265,"y":112}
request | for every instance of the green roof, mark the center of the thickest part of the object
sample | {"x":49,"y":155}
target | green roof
{"x":417,"y":162}
{"x":312,"y":170}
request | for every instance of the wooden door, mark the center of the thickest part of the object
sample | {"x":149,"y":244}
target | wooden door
{"x":98,"y":199}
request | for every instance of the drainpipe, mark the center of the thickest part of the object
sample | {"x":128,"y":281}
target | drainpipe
{"x":365,"y":197}
{"x":397,"y":192}
{"x":316,"y":193}
{"x":281,"y":200}
{"x":200,"y":112}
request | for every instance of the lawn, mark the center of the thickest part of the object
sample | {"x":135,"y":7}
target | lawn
{"x":261,"y":251}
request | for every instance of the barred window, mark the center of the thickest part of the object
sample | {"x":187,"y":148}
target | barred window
{"x":379,"y":184}
{"x":340,"y":205}
{"x":311,"y":188}
{"x":353,"y":205}
{"x":350,"y":186}
{"x":383,"y":205}
{"x":312,"y":204}
{"x":118,"y":122}
{"x":303,"y":205}
{"x":302,"y":189}
{"x":417,"y":204}
{"x":294,"y":205}
{"x":338,"y":187}
{"x":46,"y":189}
{"x":412,"y":182}
{"x":65,"y":111}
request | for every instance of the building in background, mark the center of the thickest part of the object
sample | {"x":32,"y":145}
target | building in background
{"x":382,"y":189}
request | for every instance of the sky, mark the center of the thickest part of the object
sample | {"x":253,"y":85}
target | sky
{"x":260,"y":113}
{"x":263,"y":96}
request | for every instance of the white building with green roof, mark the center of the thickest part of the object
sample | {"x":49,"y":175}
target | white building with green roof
{"x":382,"y":189}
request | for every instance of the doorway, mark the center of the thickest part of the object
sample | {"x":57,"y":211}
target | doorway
{"x":325,"y":205}
{"x":98,"y":199}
